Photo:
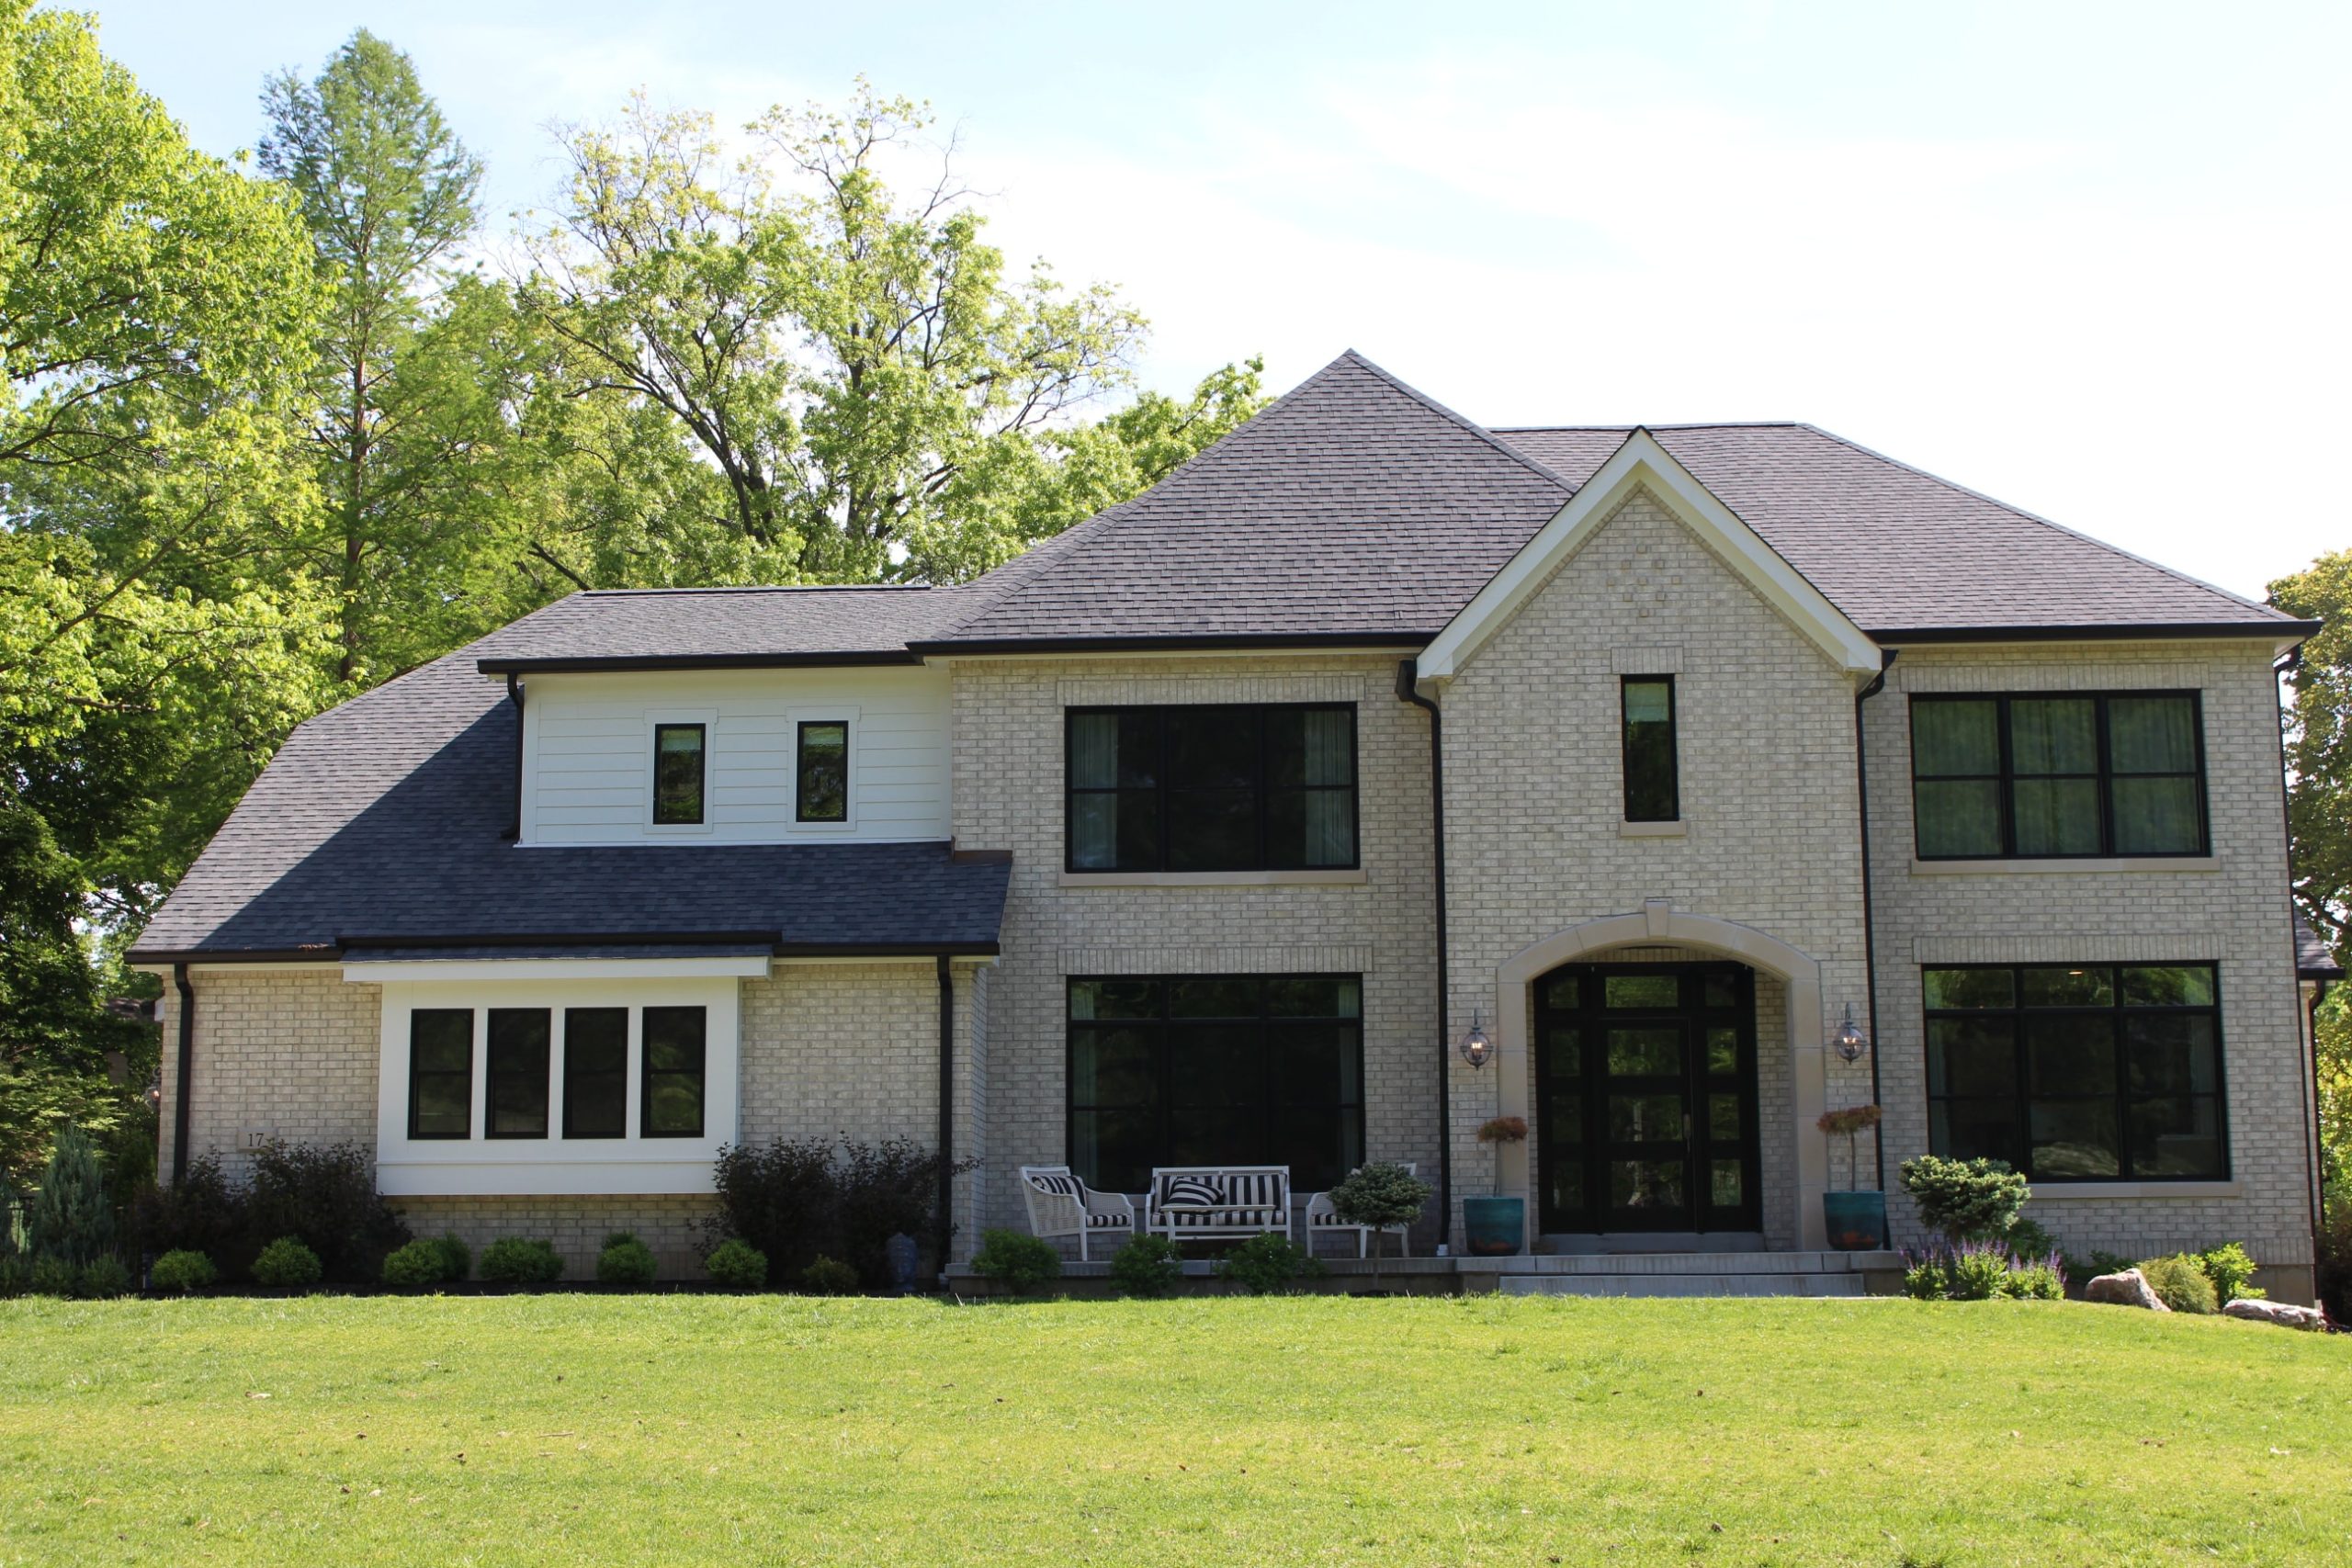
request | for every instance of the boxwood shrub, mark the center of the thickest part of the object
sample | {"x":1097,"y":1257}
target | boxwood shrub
{"x":511,"y":1260}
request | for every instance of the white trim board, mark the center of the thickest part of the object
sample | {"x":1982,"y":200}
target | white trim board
{"x":1642,"y":463}
{"x":383,"y":971}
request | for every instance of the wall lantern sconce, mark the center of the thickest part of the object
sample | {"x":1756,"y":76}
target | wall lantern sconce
{"x":1476,"y":1049}
{"x":1850,"y":1040}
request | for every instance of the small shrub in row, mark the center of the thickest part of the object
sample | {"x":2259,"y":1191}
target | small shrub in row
{"x":1021,"y":1263}
{"x":1267,"y":1265}
{"x":287,"y":1264}
{"x":515,"y":1261}
{"x":828,"y":1277}
{"x":1148,"y":1267}
{"x":2180,"y":1282}
{"x":176,"y":1273}
{"x":624,"y":1260}
{"x":738,"y":1264}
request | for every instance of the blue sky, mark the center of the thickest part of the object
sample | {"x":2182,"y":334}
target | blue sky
{"x":2088,"y":258}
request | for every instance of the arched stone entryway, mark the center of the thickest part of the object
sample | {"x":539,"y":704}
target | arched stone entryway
{"x":1658,"y":924}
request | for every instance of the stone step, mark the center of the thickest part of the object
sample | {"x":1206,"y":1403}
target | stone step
{"x":1607,"y":1265}
{"x":1683,"y":1284}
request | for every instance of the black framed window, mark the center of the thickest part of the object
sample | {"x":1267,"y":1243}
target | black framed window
{"x":2079,"y":1072}
{"x":1653,"y":787}
{"x":1248,"y":1069}
{"x":595,"y":1072}
{"x":441,"y":1073}
{"x":677,"y":774}
{"x":514,"y":1061}
{"x":1256,"y":788}
{"x":2058,"y":774}
{"x":673,"y":1047}
{"x":821,"y":791}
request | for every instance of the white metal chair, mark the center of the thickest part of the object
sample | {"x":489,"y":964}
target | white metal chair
{"x":1323,"y":1220}
{"x":1060,"y":1204}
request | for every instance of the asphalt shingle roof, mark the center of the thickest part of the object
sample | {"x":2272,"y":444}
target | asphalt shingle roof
{"x":680,"y":626}
{"x":381,"y":823}
{"x":1898,"y":549}
{"x":2315,"y":959}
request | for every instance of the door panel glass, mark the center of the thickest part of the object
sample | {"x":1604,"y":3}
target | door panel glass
{"x":1725,"y":1187}
{"x":1643,"y":991}
{"x":1723,"y":1118}
{"x":1722,"y":1051}
{"x":1649,"y":1186}
{"x":1642,"y":1052}
{"x":1646,"y":1118}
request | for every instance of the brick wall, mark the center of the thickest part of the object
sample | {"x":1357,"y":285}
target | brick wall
{"x":2236,"y":914}
{"x":289,"y":1054}
{"x":1533,"y":781}
{"x":1008,"y":795}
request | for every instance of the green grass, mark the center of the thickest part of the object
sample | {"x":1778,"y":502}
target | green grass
{"x":700,"y":1429}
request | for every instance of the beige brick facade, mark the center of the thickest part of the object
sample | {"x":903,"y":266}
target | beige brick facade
{"x":1008,"y":794}
{"x":1770,"y":845}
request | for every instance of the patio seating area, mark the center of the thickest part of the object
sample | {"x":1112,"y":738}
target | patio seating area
{"x":1190,"y":1203}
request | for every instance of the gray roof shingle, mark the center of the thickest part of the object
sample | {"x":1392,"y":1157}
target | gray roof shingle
{"x":382,"y":823}
{"x":2315,"y":959}
{"x":1901,"y":550}
{"x":677,"y":627}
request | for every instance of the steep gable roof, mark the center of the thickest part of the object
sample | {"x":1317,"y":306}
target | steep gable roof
{"x":1911,"y":557}
{"x":1352,"y":510}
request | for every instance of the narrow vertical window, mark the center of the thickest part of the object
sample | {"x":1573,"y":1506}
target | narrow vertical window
{"x":1653,"y":793}
{"x":674,"y":1072}
{"x":514,"y":1061}
{"x":822,"y":794}
{"x":595,"y":1072}
{"x":677,"y":774}
{"x":441,"y":1073}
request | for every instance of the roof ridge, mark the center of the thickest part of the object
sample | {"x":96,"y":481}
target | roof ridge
{"x":2173,"y":572}
{"x":1464,"y":421}
{"x":754,"y":588}
{"x":1685,"y":424}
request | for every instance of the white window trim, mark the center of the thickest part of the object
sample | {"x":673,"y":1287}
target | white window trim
{"x":837,"y":713}
{"x":555,"y":1165}
{"x":654,"y":719}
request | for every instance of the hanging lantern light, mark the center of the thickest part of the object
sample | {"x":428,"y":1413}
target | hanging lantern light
{"x":1849,"y":1041}
{"x":1476,"y":1049}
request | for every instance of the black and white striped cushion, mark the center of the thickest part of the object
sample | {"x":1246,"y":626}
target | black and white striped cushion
{"x":1061,"y":1186}
{"x":1190,"y":1190}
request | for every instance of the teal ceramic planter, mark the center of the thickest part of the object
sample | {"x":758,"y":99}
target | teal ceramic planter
{"x":1857,"y":1221}
{"x":1494,"y":1227}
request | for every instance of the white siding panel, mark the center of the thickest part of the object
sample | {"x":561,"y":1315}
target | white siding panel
{"x":587,"y":775}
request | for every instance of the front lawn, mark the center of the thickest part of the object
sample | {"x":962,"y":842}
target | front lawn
{"x":708,"y":1429}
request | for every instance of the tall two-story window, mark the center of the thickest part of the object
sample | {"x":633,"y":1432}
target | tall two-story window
{"x":1215,"y":1069}
{"x":2078,"y":1072}
{"x":1653,"y":784}
{"x":2061,"y":775}
{"x":821,"y":780}
{"x":677,"y":774}
{"x":1261,"y":787}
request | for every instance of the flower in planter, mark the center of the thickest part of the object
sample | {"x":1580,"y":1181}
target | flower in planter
{"x":1503,"y":1130}
{"x":1850,"y":1121}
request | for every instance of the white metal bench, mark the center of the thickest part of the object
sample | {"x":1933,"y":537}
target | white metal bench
{"x":1323,"y":1220}
{"x":1204,"y":1202}
{"x":1060,"y":1204}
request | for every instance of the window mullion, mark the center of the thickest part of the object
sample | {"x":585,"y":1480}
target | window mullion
{"x":2105,"y":788}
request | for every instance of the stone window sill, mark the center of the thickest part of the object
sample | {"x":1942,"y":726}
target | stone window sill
{"x":1355,"y":878}
{"x":2057,"y":1191}
{"x":2024,"y":867}
{"x":1674,"y":830}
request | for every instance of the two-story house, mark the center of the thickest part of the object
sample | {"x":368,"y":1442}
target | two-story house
{"x":1206,"y":830}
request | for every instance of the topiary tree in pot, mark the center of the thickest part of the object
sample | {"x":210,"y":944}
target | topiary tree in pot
{"x":1379,"y":1193}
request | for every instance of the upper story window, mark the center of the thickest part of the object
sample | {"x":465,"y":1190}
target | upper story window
{"x":2066,"y":774}
{"x":1261,"y":787}
{"x":678,"y":774}
{"x":821,"y":792}
{"x":2078,"y":1072}
{"x":1652,"y":783}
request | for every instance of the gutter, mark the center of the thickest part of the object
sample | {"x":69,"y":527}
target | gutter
{"x":1407,"y":690}
{"x":946,"y":1109}
{"x":1870,"y":926}
{"x":514,"y":695}
{"x":765,"y":942}
{"x":2096,"y":631}
{"x":1386,"y":636}
{"x":591,"y":663}
{"x":186,"y":1058}
{"x":2286,"y":666}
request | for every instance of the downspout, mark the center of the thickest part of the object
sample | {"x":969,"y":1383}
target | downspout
{"x":946,"y":1109}
{"x":1870,"y":928}
{"x":1406,"y":673}
{"x":514,"y":695}
{"x":186,"y":1056}
{"x":2287,"y":667}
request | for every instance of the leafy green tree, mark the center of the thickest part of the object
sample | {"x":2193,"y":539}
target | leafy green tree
{"x":2319,"y":742}
{"x":154,"y":309}
{"x":409,"y":431}
{"x":860,"y":388}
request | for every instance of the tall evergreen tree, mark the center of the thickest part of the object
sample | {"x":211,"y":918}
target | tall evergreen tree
{"x":408,"y":419}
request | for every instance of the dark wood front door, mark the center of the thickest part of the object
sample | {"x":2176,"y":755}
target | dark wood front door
{"x":1645,"y":1103}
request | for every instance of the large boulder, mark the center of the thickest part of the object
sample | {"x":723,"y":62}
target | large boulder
{"x":2284,"y":1313}
{"x":2129,"y":1289}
